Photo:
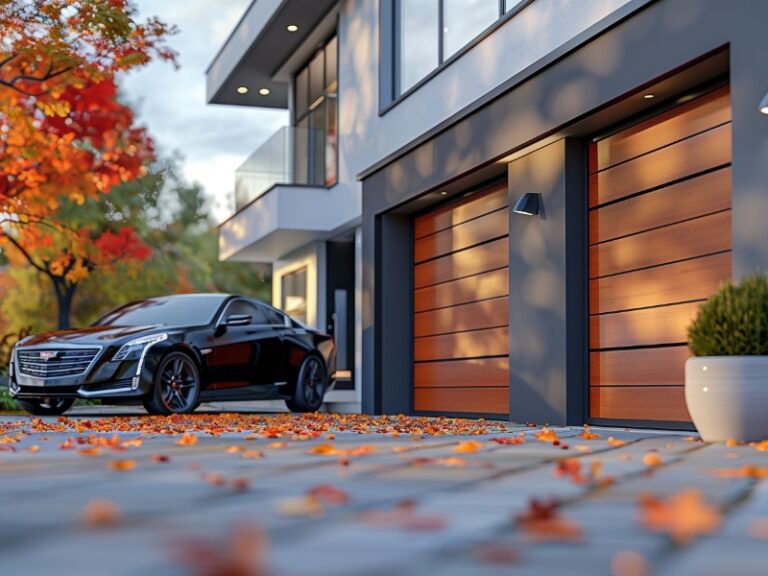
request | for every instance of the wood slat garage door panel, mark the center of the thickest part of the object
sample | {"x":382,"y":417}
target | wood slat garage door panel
{"x":698,"y":196}
{"x":697,"y":154}
{"x":699,"y":237}
{"x":672,"y":126}
{"x":454,"y":214}
{"x":493,"y":284}
{"x":461,"y":306}
{"x":660,"y":244}
{"x":473,"y":316}
{"x":664,"y":403}
{"x":473,"y":401}
{"x":476,"y":372}
{"x":639,"y":367}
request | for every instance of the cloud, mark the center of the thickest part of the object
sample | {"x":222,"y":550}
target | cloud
{"x":213,"y":139}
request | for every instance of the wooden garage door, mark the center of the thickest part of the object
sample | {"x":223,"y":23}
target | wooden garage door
{"x":659,"y":244}
{"x":461,"y":288}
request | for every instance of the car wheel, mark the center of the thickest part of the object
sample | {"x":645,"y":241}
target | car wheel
{"x":52,"y":407}
{"x":311,"y":385}
{"x":176,"y":387}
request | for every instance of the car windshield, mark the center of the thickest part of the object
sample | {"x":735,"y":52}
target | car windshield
{"x":176,"y":311}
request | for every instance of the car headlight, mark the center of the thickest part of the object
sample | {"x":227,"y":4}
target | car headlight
{"x":133,"y":350}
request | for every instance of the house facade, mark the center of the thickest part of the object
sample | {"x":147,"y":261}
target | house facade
{"x":528,"y":199}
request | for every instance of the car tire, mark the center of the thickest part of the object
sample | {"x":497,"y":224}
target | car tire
{"x":55,"y":407}
{"x":176,"y":386}
{"x":311,"y":385}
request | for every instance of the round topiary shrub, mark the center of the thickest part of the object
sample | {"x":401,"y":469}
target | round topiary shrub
{"x":734,"y":321}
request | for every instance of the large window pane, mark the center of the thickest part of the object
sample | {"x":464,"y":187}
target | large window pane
{"x":465,"y":19}
{"x":301,"y":155}
{"x":317,"y":146}
{"x":331,"y":67}
{"x":302,"y":92}
{"x":316,"y":78}
{"x":418,"y":40}
{"x":330,"y":141}
{"x":294,"y":300}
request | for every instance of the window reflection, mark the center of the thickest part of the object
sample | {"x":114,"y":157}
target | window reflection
{"x":418,"y":31}
{"x":465,"y":19}
{"x":294,"y":294}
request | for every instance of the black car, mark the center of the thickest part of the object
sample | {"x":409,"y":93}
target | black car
{"x":172,"y":353}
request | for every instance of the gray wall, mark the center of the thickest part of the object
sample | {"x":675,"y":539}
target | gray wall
{"x":576,"y":96}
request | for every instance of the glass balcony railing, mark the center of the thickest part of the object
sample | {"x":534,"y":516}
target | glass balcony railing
{"x":292,"y":155}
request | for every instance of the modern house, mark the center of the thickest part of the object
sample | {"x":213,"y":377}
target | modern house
{"x":510,"y":209}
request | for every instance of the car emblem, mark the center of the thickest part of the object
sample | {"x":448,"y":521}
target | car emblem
{"x":47,"y":355}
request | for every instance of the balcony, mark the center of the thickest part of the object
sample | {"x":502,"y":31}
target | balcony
{"x":286,"y":196}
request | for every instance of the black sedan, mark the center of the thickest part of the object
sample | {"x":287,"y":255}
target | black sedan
{"x":172,"y":353}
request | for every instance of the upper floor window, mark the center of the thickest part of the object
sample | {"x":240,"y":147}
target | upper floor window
{"x":315,"y":118}
{"x":429,"y":32}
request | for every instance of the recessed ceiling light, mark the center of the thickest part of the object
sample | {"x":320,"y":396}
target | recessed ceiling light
{"x":264,"y":91}
{"x":242,"y":89}
{"x":443,"y":193}
{"x":648,"y":96}
{"x":292,"y":28}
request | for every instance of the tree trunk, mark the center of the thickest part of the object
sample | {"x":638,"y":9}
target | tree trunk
{"x":64,"y":295}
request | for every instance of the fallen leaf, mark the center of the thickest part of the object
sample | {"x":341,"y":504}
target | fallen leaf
{"x":731,"y":443}
{"x":746,"y":471}
{"x":616,"y":443}
{"x":328,"y":495}
{"x":133,"y":443}
{"x":160,"y":458}
{"x":509,"y":441}
{"x":34,"y":448}
{"x":547,"y":435}
{"x":100,"y":514}
{"x":92,"y":451}
{"x":652,"y":459}
{"x":467,"y":447}
{"x":187,"y":440}
{"x":587,"y":434}
{"x":277,"y":445}
{"x":683,"y":516}
{"x":234,"y":449}
{"x":250,"y":454}
{"x":541,"y":523}
{"x":451,"y":462}
{"x":122,"y":465}
{"x":405,"y":516}
{"x":324,"y":450}
{"x":304,"y":506}
{"x":761,"y":446}
{"x":242,"y":554}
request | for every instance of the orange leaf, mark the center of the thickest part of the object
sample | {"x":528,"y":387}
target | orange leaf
{"x":307,"y":506}
{"x":187,"y":440}
{"x":250,"y":454}
{"x":616,"y":443}
{"x":541,"y":523}
{"x":122,"y":465}
{"x":683,"y":516}
{"x":101,"y":513}
{"x":652,"y":459}
{"x":92,"y":451}
{"x":328,"y":495}
{"x":588,"y":435}
{"x":467,"y":447}
{"x":160,"y":458}
{"x":547,"y":435}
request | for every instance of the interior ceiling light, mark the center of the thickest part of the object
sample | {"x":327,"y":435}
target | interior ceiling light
{"x":264,"y":91}
{"x":648,"y":96}
{"x":292,"y":28}
{"x":242,"y":89}
{"x":443,"y":193}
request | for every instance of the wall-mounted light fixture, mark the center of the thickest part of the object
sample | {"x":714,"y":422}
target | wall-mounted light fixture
{"x":528,"y":204}
{"x":764,"y":104}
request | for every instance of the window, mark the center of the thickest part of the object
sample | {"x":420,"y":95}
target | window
{"x":242,"y":307}
{"x":294,"y":294}
{"x":274,"y":317}
{"x":315,"y":118}
{"x":429,"y":32}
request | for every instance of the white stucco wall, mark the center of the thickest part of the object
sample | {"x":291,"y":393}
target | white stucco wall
{"x":366,"y":137}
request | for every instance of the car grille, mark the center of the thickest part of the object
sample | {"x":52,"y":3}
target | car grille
{"x":71,"y":362}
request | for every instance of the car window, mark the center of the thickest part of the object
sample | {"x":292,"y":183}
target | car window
{"x":274,"y":317}
{"x":238,"y":307}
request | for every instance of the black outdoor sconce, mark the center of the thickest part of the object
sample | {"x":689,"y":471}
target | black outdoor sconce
{"x":528,"y":204}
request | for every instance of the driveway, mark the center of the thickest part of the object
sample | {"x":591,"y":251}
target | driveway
{"x":254,"y":494}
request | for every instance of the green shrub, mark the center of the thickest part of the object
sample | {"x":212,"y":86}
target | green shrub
{"x":733,"y":322}
{"x":6,"y":402}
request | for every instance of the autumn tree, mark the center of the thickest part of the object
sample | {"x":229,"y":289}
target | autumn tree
{"x":65,"y":139}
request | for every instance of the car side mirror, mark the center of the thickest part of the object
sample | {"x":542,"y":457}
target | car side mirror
{"x":238,"y":320}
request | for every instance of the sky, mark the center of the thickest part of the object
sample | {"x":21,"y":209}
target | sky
{"x":213,"y":139}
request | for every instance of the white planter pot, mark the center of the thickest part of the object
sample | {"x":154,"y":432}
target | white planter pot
{"x":727,"y":397}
